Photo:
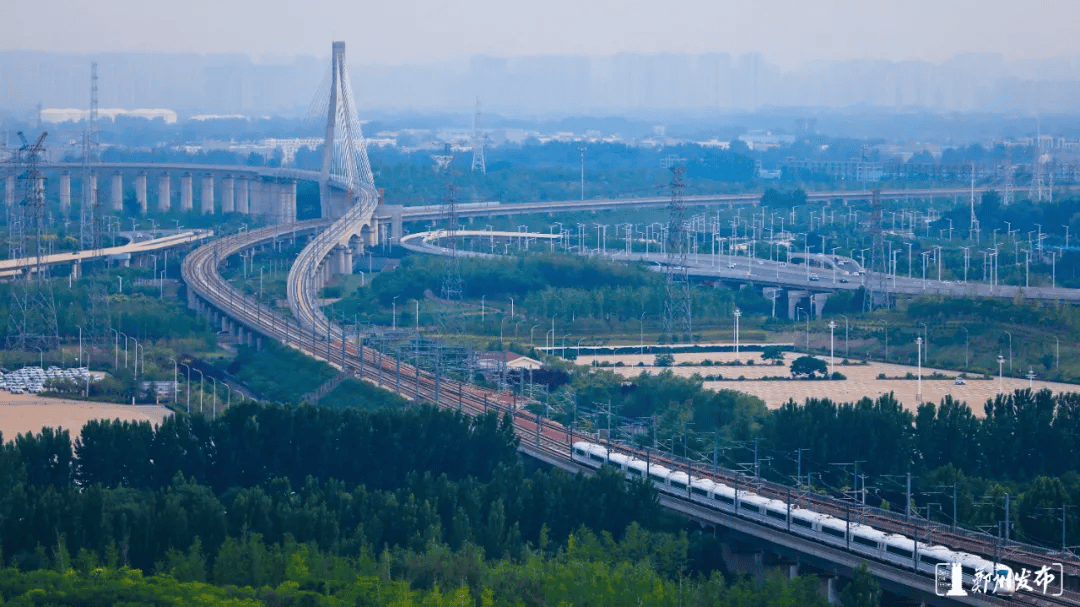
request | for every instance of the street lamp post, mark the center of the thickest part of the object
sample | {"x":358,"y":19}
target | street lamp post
{"x":926,"y":340}
{"x":918,"y":346}
{"x":174,"y":387}
{"x":967,"y":339}
{"x":738,"y":313}
{"x":188,"y":389}
{"x":201,"y":380}
{"x":1001,"y":372}
{"x":213,"y":403}
{"x":832,"y":347}
{"x":116,"y":348}
{"x":394,"y":308}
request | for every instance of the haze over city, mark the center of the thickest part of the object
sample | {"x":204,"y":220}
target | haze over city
{"x":559,"y":56}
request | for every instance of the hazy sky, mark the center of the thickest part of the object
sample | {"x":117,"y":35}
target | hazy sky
{"x":788,"y":32}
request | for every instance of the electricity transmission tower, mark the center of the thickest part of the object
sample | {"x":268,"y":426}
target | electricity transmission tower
{"x":32,"y":319}
{"x":876,"y":284}
{"x":478,"y":143}
{"x":451,"y":321}
{"x":678,"y":321}
{"x":88,"y":234}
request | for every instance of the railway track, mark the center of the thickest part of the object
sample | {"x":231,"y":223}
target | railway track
{"x":315,"y":335}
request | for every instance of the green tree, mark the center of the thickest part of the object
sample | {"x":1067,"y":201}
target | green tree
{"x":863,"y":590}
{"x":773,"y":354}
{"x":807,"y":366}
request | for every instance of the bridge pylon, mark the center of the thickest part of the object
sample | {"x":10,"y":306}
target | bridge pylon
{"x":345,"y":159}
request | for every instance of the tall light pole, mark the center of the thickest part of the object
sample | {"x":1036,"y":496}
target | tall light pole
{"x":582,"y":149}
{"x":918,"y":346}
{"x":832,"y":348}
{"x":116,"y":348}
{"x":738,"y":313}
{"x":80,"y":350}
{"x":213,"y":403}
{"x":394,"y":307}
{"x":188,"y":389}
{"x":201,"y":378}
{"x":926,"y":339}
{"x":1001,"y":372}
{"x":175,"y":395}
{"x":967,"y":339}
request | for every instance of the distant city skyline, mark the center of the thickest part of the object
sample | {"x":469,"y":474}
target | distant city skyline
{"x":787,"y":33}
{"x":542,"y":85}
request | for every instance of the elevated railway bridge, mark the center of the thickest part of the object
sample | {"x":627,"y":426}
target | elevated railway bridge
{"x":353,"y":218}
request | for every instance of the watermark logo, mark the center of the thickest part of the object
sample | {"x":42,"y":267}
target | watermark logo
{"x":950,"y":580}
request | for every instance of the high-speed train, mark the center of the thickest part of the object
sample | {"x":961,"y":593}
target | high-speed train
{"x":859,"y":538}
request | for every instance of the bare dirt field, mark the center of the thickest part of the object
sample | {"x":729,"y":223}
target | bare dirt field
{"x":21,"y":413}
{"x":861,"y":380}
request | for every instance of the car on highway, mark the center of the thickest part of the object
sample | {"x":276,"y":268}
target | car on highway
{"x":731,"y":265}
{"x":844,"y":280}
{"x":814,"y":277}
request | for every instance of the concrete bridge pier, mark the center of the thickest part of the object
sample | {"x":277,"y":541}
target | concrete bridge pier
{"x":819,"y":300}
{"x":242,"y":195}
{"x":206,"y":201}
{"x":290,"y":203}
{"x":76,"y":270}
{"x":257,"y":205}
{"x":163,"y":193}
{"x":185,"y":192}
{"x":793,"y":299}
{"x":140,"y":191}
{"x":9,"y":191}
{"x":227,"y":199}
{"x":832,"y":589}
{"x":117,"y":191}
{"x":281,"y":203}
{"x":65,"y":192}
{"x":344,"y":259}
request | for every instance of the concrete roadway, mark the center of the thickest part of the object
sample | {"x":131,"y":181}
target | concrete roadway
{"x":12,"y":267}
{"x":782,"y":274}
{"x":434,"y":212}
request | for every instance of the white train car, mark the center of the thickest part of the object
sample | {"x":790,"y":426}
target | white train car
{"x":860,"y":538}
